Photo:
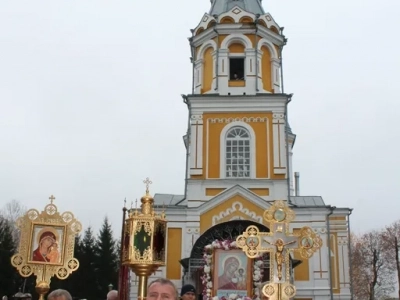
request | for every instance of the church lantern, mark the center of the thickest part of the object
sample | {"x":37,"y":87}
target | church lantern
{"x":144,"y":240}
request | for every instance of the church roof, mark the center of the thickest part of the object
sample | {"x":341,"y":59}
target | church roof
{"x":168,"y":200}
{"x":307,"y":200}
{"x":221,"y":6}
{"x":174,"y":200}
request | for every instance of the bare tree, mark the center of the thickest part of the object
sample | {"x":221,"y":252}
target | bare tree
{"x":391,"y":242}
{"x":372,"y":273}
{"x":11,"y":212}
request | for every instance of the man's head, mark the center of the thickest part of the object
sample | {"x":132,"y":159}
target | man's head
{"x":188,"y":292}
{"x":162,"y":289}
{"x":112,"y":295}
{"x":59,"y":295}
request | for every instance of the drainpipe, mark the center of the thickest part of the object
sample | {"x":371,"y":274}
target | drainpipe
{"x":332,"y":208}
{"x":287,"y":147}
{"x":280,"y":54}
{"x":188,"y":133}
{"x":217,"y":54}
{"x":192,"y":58}
{"x":349,"y":243}
{"x":297,"y":183}
{"x":256,"y":39}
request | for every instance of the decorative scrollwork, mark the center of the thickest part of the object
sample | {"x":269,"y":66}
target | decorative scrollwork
{"x":51,"y":209}
{"x":62,"y":273}
{"x":73,"y":264}
{"x":26,"y":271}
{"x":17,"y":260}
{"x":67,"y":216}
{"x":32,"y":214}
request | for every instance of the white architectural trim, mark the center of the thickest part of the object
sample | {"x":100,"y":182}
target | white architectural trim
{"x":252,"y":147}
{"x":269,"y":45}
{"x":229,"y":193}
{"x":236,"y":206}
{"x":205,"y":46}
{"x":196,"y":144}
{"x":236,"y":37}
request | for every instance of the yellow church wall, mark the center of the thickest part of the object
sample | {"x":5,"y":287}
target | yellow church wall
{"x":213,"y":142}
{"x":266,"y":69}
{"x":207,"y":70}
{"x":174,"y":253}
{"x":236,"y":48}
{"x":302,"y":271}
{"x":206,"y":218}
{"x":260,"y":191}
{"x":214,"y":191}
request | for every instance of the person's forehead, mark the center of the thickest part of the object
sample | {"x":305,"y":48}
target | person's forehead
{"x":162,"y":288}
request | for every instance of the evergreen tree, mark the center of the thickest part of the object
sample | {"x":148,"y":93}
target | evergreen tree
{"x":106,"y":260}
{"x":86,"y":285}
{"x":8,"y":274}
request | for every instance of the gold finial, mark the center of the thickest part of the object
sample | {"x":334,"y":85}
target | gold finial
{"x":52,"y":198}
{"x":147,"y":182}
{"x":125,"y":202}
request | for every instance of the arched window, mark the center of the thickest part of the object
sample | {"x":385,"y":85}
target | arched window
{"x":237,"y":153}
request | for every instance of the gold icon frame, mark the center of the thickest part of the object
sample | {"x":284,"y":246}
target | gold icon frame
{"x":37,"y":228}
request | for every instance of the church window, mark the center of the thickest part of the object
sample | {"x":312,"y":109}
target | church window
{"x":236,"y":68}
{"x":237,"y":159}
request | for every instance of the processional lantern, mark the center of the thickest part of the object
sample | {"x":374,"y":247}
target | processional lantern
{"x":144,"y":240}
{"x":279,"y":242}
{"x":46,"y":246}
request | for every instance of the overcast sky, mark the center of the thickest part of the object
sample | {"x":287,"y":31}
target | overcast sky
{"x":90,"y":102}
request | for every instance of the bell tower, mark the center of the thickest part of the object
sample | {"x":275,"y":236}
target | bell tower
{"x":238,"y":131}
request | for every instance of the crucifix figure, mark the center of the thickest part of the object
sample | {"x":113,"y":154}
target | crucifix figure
{"x":279,"y":253}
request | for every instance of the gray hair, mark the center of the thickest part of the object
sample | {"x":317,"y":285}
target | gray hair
{"x":164,"y":281}
{"x":59,"y":293}
{"x":113,"y":294}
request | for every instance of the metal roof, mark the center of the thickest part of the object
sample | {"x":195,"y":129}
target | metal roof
{"x":307,"y":200}
{"x":221,"y":6}
{"x":168,"y":199}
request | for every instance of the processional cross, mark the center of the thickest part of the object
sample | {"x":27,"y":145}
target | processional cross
{"x":279,"y":242}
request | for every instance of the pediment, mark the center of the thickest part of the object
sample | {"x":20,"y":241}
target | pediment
{"x":236,"y":203}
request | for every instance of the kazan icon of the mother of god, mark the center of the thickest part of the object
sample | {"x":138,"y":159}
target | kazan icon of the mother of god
{"x":47,"y":246}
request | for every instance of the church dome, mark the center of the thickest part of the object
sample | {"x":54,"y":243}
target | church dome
{"x":221,"y":6}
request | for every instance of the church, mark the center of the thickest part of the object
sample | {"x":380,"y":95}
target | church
{"x":239,"y":148}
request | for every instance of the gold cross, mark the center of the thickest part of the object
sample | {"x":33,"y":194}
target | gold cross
{"x":52,"y":198}
{"x":147,"y":182}
{"x":279,"y":242}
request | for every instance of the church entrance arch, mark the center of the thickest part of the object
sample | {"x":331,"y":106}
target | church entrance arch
{"x":223,"y":231}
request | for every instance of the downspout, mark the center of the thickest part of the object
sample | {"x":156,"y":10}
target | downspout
{"x":217,"y":54}
{"x":332,"y":208}
{"x":186,"y":101}
{"x":350,"y":264}
{"x":287,"y":147}
{"x":281,"y":60}
{"x":257,"y":40}
{"x":192,"y":58}
{"x":286,"y":116}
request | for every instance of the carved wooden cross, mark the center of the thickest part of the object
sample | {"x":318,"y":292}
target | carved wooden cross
{"x":279,"y":242}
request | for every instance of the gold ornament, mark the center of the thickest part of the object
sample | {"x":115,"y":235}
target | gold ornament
{"x":46,"y":246}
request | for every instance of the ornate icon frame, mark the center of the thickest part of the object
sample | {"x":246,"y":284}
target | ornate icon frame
{"x":49,"y":223}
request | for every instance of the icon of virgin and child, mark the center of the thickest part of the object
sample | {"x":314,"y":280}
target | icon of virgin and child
{"x":233,"y":275}
{"x":46,"y":246}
